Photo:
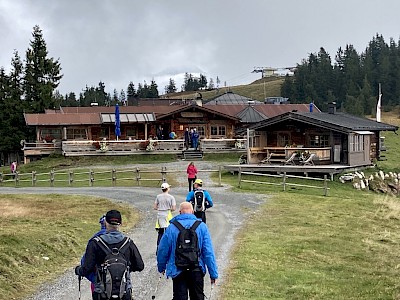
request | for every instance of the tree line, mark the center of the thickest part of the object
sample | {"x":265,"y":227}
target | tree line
{"x":351,"y":80}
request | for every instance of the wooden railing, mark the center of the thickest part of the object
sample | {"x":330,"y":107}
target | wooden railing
{"x":105,"y":177}
{"x":283,"y":180}
{"x":126,"y":147}
{"x":280,"y":154}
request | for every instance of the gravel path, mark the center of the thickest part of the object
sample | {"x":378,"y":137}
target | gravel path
{"x":224,"y":219}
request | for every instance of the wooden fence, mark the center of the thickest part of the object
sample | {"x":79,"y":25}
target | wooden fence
{"x":110,"y":177}
{"x":284,"y":181}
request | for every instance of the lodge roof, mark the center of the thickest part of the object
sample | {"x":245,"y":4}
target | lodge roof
{"x":267,"y":110}
{"x":62,"y":119}
{"x":339,"y":121}
{"x":230,"y":98}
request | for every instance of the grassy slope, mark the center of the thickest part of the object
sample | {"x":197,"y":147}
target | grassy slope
{"x":257,"y":90}
{"x":41,"y":235}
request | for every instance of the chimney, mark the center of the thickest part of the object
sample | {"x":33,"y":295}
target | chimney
{"x":332,"y":108}
{"x":311,"y":107}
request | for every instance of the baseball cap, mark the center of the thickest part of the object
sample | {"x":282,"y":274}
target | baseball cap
{"x":199,"y":181}
{"x":113,"y":217}
{"x":165,"y":186}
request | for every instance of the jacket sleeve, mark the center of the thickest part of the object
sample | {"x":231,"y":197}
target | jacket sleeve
{"x":208,"y":199}
{"x":190,"y":196}
{"x":164,"y":250}
{"x":136,"y":260}
{"x":207,"y":252}
{"x":89,"y":263}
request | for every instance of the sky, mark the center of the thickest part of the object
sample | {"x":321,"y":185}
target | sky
{"x":118,"y":41}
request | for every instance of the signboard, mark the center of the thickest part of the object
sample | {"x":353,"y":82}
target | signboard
{"x":189,"y":114}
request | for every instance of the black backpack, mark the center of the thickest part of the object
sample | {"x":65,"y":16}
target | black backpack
{"x":113,"y":274}
{"x":187,"y":250}
{"x":199,"y":201}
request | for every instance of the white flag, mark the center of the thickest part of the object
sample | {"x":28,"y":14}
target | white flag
{"x":378,"y":109}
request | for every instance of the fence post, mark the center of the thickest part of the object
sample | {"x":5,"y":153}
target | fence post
{"x":240,"y":177}
{"x":52,"y":178}
{"x":138,"y":176}
{"x":220,"y":175}
{"x":33,"y":178}
{"x":325,"y":185}
{"x":70,"y":178}
{"x":163,"y":174}
{"x":284,"y":181}
{"x":1,"y":179}
{"x":16,"y":177}
{"x":114,"y":177}
{"x":91,"y":177}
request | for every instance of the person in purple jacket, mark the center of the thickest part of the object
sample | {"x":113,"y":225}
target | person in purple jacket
{"x":184,"y":280}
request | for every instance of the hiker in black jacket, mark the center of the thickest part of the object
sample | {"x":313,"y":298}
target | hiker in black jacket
{"x":96,"y":252}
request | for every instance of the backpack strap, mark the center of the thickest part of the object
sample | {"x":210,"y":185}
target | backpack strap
{"x":178,"y":225}
{"x":103,"y":245}
{"x":195,"y":225}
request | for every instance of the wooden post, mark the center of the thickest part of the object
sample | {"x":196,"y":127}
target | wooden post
{"x":114,"y":177}
{"x":240,"y":177}
{"x":91,"y":177}
{"x":16,"y":177}
{"x":1,"y":179}
{"x":220,"y":175}
{"x":33,"y":178}
{"x":284,"y":181}
{"x":52,"y":178}
{"x":70,"y":178}
{"x":163,"y":174}
{"x":325,"y":185}
{"x":138,"y":176}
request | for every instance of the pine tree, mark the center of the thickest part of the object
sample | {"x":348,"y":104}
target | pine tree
{"x":211,"y":84}
{"x":130,"y":91}
{"x":122,"y":97}
{"x":171,"y":87}
{"x":153,"y":90}
{"x":42,"y":74}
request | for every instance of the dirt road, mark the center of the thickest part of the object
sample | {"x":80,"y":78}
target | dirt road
{"x":224,"y":219}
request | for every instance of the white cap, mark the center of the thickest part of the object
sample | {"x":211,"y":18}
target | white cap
{"x":165,"y":186}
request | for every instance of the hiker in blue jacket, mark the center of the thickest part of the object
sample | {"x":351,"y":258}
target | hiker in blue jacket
{"x":208,"y":202}
{"x":187,"y":280}
{"x":92,"y":276}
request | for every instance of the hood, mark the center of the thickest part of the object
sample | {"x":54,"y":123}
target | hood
{"x":113,"y":237}
{"x":184,"y":217}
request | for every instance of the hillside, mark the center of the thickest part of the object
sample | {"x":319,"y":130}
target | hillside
{"x":258,"y":90}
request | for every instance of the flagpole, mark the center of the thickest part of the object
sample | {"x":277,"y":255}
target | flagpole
{"x":378,"y":106}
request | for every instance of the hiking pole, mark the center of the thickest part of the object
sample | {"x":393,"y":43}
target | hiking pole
{"x":79,"y":286}
{"x":155,"y":291}
{"x":211,"y":290}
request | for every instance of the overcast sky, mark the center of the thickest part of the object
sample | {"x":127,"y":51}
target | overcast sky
{"x":118,"y":41}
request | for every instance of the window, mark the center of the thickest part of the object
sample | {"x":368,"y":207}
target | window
{"x":218,"y":130}
{"x":104,"y":133}
{"x":283,"y":139}
{"x":319,"y":141}
{"x":76,"y":134}
{"x":356,"y":143}
{"x":50,"y":134}
{"x":200,"y":130}
{"x":131,"y":132}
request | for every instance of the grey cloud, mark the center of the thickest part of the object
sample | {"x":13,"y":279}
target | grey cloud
{"x":122,"y":41}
